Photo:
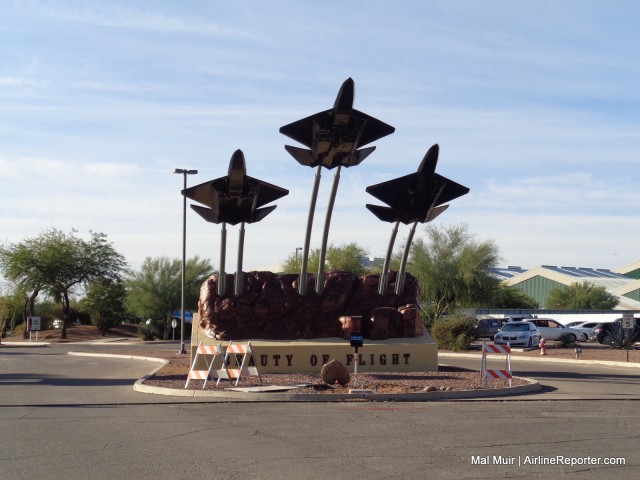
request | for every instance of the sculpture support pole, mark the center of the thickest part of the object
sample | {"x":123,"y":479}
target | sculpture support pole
{"x":403,"y":263}
{"x":239,"y":283}
{"x":325,"y":233}
{"x":222,"y":276}
{"x":302,"y":283}
{"x":384,"y":275}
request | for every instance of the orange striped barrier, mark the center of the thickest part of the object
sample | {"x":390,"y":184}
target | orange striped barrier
{"x":215,"y":350}
{"x":245,"y":369}
{"x":496,"y":348}
{"x":493,"y":373}
{"x":503,"y":374}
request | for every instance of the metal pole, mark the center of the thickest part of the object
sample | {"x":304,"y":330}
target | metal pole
{"x":184,"y":259}
{"x":302,"y":286}
{"x":384,"y":275}
{"x":184,"y":173}
{"x":239,"y":283}
{"x":222,"y":276}
{"x":403,"y":263}
{"x":325,"y":233}
{"x":355,"y":368}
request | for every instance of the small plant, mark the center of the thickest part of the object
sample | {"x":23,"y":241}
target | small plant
{"x":617,"y":337}
{"x":455,"y":332}
{"x":146,"y":332}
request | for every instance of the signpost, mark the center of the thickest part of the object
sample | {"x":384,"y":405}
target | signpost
{"x":174,"y":324}
{"x":35,"y":325}
{"x":356,"y":341}
{"x":627,"y":324}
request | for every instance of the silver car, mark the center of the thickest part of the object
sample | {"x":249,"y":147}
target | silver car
{"x":553,"y":330}
{"x":524,"y":334}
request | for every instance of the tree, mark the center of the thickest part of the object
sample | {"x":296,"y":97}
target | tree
{"x":345,"y":257}
{"x":513,"y":298}
{"x":60,"y":262}
{"x":105,"y":301}
{"x":581,"y":296}
{"x":8,"y":306}
{"x":155,"y":290}
{"x":452,"y":269}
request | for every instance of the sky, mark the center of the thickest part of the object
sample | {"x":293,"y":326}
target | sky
{"x":535,"y":106}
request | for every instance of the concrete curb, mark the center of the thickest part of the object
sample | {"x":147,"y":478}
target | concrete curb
{"x":331,"y":397}
{"x":516,"y":358}
{"x":231,"y":396}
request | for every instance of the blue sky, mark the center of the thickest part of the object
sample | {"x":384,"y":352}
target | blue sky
{"x":535,"y":106}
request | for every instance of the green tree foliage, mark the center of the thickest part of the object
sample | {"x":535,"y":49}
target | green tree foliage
{"x":345,"y":257}
{"x":452,"y":270}
{"x":105,"y":301}
{"x":155,"y":290}
{"x":60,"y":262}
{"x":9,"y":306}
{"x":581,"y":296}
{"x":455,"y":332}
{"x":513,"y":297}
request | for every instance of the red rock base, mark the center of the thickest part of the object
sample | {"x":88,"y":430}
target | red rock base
{"x":271,"y":308}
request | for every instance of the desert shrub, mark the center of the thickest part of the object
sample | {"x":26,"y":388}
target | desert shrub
{"x":455,"y":332}
{"x":146,"y":332}
{"x":20,"y":329}
{"x":616,"y":337}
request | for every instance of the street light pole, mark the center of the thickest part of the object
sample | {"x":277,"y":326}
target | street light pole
{"x":184,"y":173}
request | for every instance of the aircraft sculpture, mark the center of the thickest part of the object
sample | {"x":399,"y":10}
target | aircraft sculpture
{"x":333,"y":139}
{"x":415,"y":198}
{"x":235,"y":198}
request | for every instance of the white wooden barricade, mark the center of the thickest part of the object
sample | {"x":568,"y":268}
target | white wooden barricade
{"x":215,"y":350}
{"x":247,"y":354}
{"x":493,"y":373}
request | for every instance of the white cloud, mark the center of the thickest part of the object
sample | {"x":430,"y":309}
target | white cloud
{"x":15,"y":82}
{"x":128,"y":17}
{"x":105,"y":171}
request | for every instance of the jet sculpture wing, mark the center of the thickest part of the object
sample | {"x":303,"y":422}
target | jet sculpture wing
{"x":236,"y":197}
{"x":417,"y":196}
{"x":372,"y":129}
{"x":333,"y":137}
{"x":387,"y":214}
{"x":232,"y":216}
{"x":399,"y":192}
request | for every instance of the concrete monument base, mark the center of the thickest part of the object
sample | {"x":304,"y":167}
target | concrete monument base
{"x":418,"y":354}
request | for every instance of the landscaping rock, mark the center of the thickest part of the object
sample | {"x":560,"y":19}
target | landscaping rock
{"x":335,"y":372}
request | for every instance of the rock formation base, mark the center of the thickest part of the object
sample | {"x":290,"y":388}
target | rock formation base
{"x":271,"y":308}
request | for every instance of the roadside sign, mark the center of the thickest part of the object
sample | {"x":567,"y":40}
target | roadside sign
{"x":36,"y":324}
{"x":628,"y":321}
{"x":174,"y":323}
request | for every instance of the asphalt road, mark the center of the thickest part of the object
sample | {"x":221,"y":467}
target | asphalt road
{"x":64,"y":417}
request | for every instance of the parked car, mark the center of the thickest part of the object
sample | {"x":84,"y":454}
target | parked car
{"x":57,"y":323}
{"x":488,"y":327}
{"x":584,"y":327}
{"x":519,"y":333}
{"x":574,"y":323}
{"x":552,"y":330}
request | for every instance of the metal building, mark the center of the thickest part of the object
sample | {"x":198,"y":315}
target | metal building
{"x":538,"y":282}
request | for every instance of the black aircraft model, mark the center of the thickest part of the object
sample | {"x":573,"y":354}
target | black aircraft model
{"x":235,"y":198}
{"x":335,"y":136}
{"x":416,"y":197}
{"x":412,"y":199}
